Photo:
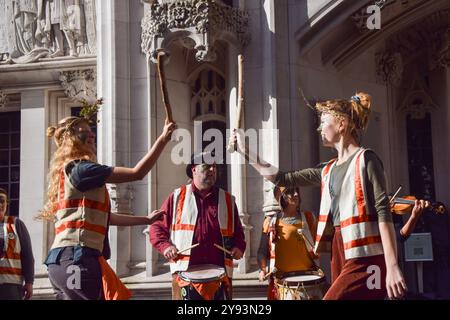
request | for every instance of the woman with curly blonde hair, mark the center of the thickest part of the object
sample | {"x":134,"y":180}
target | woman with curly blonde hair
{"x":78,"y":203}
{"x":355,"y":223}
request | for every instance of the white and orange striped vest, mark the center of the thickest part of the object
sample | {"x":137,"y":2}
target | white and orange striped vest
{"x":359,"y":227}
{"x":307,"y":230}
{"x":184,"y":219}
{"x":81,"y":217}
{"x":10,"y":262}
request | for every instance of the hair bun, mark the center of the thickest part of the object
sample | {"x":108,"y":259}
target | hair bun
{"x":51,"y":131}
{"x":365,"y":100}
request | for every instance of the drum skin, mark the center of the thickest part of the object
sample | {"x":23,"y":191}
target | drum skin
{"x":301,"y":285}
{"x":204,"y":282}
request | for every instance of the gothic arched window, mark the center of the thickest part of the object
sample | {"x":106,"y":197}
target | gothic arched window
{"x":208,"y":105}
{"x":208,"y":95}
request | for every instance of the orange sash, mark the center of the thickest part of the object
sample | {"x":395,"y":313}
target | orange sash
{"x":113,"y":288}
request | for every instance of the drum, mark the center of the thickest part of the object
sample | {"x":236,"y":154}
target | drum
{"x":301,"y":285}
{"x":204,"y":282}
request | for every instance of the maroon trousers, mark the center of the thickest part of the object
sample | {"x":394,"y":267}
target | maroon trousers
{"x":350,"y":278}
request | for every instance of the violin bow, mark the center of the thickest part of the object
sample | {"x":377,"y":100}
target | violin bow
{"x":396,"y":193}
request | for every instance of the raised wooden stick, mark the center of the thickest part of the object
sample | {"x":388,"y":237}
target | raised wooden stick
{"x":232,"y":147}
{"x":223,"y":249}
{"x":189,"y":248}
{"x":162,"y":82}
{"x":274,"y":270}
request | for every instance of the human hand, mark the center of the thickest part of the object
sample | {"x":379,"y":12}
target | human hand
{"x":262,"y":275}
{"x":419,"y":206}
{"x":395,"y":283}
{"x":237,"y":140}
{"x":169,"y":128}
{"x":155,"y":216}
{"x":28,"y":291}
{"x":170,"y":253}
{"x":236,"y":253}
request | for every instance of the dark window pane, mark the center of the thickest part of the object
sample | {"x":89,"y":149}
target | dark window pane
{"x":15,"y":140}
{"x":210,"y":107}
{"x":228,"y":2}
{"x":4,"y":186}
{"x":223,"y":108}
{"x":198,"y":109}
{"x":198,"y":84}
{"x":4,"y":158}
{"x":15,"y":173}
{"x":4,"y":124}
{"x":14,"y":192}
{"x":14,"y":208}
{"x":15,"y":122}
{"x":15,"y":157}
{"x":4,"y":174}
{"x":220,"y":82}
{"x":4,"y":141}
{"x":210,"y":80}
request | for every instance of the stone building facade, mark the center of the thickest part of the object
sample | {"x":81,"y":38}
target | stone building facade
{"x":53,"y":53}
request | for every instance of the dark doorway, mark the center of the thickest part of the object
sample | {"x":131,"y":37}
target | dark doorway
{"x":222,"y":170}
{"x":420,"y":157}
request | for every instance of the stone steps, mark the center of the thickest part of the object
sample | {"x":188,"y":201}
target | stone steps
{"x":245,"y":286}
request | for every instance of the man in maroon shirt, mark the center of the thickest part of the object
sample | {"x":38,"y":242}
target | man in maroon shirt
{"x":207,"y":230}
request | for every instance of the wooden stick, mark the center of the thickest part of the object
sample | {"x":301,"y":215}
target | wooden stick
{"x":162,"y":82}
{"x":232,"y":147}
{"x":274,"y":270}
{"x":240,"y":102}
{"x":223,"y":249}
{"x":396,"y":193}
{"x":186,"y":249}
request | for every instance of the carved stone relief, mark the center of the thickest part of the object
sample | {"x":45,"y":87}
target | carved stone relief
{"x":389,"y":68}
{"x":430,"y":38}
{"x":3,"y":99}
{"x":79,"y":84}
{"x":443,"y":52}
{"x":35,"y":29}
{"x":121,"y":196}
{"x":195,"y":24}
{"x":417,"y":102}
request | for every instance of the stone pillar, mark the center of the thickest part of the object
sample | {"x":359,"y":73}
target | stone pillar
{"x":114,"y":127}
{"x":151,"y":253}
{"x":32,"y":162}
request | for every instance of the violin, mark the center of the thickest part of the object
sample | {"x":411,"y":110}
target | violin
{"x":403,"y":205}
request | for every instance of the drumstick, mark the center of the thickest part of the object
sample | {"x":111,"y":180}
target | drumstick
{"x":223,"y":249}
{"x":274,"y":270}
{"x":300,"y":232}
{"x":186,"y":249}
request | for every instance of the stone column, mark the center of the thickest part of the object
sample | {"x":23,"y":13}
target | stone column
{"x":32,"y":162}
{"x":114,"y":127}
{"x":151,"y":253}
